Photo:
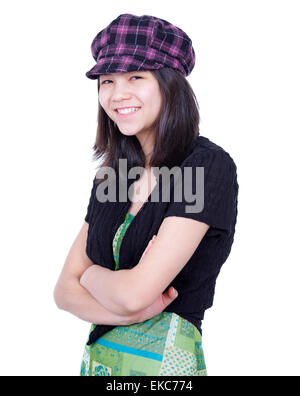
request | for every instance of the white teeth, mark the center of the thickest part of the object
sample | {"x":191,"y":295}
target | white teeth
{"x":129,"y":110}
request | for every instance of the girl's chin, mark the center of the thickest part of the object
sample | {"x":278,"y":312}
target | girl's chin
{"x":128,"y":133}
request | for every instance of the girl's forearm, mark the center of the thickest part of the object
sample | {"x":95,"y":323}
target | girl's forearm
{"x":75,"y":299}
{"x":110,"y":288}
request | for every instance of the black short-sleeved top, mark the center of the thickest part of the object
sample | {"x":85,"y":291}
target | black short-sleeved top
{"x":196,"y":281}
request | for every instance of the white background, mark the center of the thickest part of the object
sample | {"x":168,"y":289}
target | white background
{"x":247,"y":83}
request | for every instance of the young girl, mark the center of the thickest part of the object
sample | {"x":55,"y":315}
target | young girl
{"x":143,"y":268}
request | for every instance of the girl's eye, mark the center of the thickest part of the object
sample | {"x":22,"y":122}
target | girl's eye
{"x":131,"y":77}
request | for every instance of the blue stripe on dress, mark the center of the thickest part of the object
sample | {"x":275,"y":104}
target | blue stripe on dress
{"x":132,"y":351}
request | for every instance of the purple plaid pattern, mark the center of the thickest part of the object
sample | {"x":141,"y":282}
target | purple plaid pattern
{"x":131,"y":43}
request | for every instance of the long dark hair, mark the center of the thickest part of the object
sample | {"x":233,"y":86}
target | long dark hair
{"x":177,"y":127}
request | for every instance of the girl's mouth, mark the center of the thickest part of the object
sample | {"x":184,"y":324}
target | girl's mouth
{"x":127,"y":114}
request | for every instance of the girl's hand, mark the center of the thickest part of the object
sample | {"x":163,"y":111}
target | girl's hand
{"x":149,"y":246}
{"x":161,"y":302}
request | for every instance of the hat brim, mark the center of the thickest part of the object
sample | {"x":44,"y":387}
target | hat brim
{"x":122,"y":64}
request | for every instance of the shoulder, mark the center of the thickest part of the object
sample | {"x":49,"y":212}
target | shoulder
{"x":210,"y":155}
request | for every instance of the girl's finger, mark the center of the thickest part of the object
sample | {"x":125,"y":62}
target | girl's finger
{"x":147,"y":248}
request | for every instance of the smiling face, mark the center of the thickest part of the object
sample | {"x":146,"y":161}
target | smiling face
{"x":133,"y":89}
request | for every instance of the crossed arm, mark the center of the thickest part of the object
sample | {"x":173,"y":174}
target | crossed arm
{"x":130,"y":291}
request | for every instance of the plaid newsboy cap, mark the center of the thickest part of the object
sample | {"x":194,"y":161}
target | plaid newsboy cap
{"x":131,"y":43}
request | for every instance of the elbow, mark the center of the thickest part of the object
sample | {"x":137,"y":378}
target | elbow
{"x":132,"y":303}
{"x":127,"y":302}
{"x":130,"y":308}
{"x":136,"y":299}
{"x":130,"y":294}
{"x":58,"y":297}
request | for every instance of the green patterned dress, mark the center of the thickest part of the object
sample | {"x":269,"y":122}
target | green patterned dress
{"x":163,"y":345}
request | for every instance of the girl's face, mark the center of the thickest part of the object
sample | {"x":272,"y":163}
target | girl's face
{"x":132,"y":89}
